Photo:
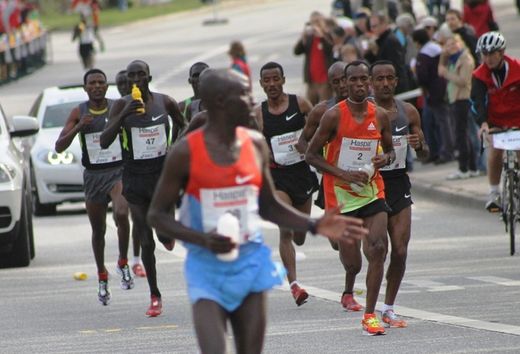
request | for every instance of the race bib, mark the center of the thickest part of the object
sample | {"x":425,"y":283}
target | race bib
{"x":149,"y":142}
{"x":400,"y":143}
{"x":240,"y":201}
{"x":354,"y":153}
{"x":284,"y":149}
{"x":97,"y":155}
{"x":507,"y":141}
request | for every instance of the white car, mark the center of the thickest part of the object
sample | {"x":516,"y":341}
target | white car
{"x":57,"y":178}
{"x":16,"y":229}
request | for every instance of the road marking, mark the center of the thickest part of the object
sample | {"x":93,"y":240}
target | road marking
{"x":497,"y":280}
{"x":115,"y":330}
{"x":432,"y":286}
{"x":146,"y":328}
{"x":112,"y":330}
{"x":417,"y":314}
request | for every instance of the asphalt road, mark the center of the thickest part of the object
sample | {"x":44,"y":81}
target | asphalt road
{"x":460,"y":293}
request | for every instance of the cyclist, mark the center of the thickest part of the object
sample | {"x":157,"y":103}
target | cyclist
{"x":495,"y":94}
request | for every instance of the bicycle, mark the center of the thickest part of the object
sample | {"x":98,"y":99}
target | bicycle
{"x":509,"y":141}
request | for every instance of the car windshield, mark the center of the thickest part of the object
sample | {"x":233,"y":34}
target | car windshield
{"x":56,"y":115}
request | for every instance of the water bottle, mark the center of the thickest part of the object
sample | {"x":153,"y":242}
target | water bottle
{"x":80,"y":276}
{"x":229,"y":226}
{"x":136,"y":95}
{"x":369,"y":169}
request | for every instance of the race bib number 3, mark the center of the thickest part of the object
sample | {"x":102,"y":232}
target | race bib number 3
{"x":242,"y":202}
{"x":284,"y":149}
{"x":149,"y":142}
{"x":97,"y":155}
{"x":354,"y":153}
{"x":401,"y":148}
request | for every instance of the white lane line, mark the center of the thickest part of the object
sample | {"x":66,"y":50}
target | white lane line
{"x":419,"y":314}
{"x":497,"y":280}
{"x":432,"y":286}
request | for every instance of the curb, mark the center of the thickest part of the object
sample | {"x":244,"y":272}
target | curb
{"x":451,"y":195}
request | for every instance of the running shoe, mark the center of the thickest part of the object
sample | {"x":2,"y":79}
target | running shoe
{"x":103,"y":292}
{"x":390,"y":319}
{"x":127,"y":281}
{"x":300,"y":295}
{"x":371,"y":325}
{"x":349,"y":303}
{"x":458,"y":175}
{"x":155,"y":308}
{"x":493,"y":204}
{"x":138,"y":270}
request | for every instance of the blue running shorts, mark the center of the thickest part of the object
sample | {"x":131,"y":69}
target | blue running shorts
{"x":229,"y":283}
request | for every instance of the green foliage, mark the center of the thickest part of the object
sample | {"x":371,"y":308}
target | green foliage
{"x":55,"y":16}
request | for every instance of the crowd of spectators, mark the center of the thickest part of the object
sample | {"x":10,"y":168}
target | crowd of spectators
{"x":432,"y":48}
{"x":22,"y":39}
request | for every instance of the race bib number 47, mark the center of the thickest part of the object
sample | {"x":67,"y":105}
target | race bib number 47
{"x":149,"y":142}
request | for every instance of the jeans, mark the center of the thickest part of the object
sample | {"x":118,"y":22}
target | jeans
{"x":459,"y":111}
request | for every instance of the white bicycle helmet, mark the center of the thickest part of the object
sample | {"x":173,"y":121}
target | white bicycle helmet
{"x":491,"y":42}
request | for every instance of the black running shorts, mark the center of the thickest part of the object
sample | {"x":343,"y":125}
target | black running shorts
{"x":397,"y":193}
{"x":377,"y":206}
{"x":138,"y":189}
{"x":298,"y":181}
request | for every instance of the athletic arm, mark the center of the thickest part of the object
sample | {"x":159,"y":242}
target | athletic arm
{"x":258,"y":117}
{"x":325,"y":133}
{"x":386,"y":141}
{"x":273,"y":209}
{"x":416,"y":137}
{"x":72,"y":127}
{"x":197,"y":121}
{"x":311,"y":125}
{"x":161,"y":214}
{"x":479,"y":100}
{"x":177,"y":118}
{"x":120,"y":109}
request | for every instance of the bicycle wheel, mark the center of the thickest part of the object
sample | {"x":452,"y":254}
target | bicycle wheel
{"x":513,"y":205}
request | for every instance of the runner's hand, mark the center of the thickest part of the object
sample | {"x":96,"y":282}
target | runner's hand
{"x":357,"y":177}
{"x":219,"y":244}
{"x":338,"y":227}
{"x":85,"y":120}
{"x":380,"y":161}
{"x":131,"y":107}
{"x":414,"y":141}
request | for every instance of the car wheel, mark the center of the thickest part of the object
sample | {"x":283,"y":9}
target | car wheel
{"x":38,"y":208}
{"x":20,"y":255}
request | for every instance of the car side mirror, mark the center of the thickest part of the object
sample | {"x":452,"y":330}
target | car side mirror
{"x":24,"y":126}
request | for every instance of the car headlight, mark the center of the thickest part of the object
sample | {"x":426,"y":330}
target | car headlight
{"x":7,"y":173}
{"x":54,"y":158}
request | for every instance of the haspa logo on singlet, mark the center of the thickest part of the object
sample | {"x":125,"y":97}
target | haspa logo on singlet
{"x":371,"y":126}
{"x":233,"y":196}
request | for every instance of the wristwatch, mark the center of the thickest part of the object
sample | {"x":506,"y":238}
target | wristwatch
{"x":312,"y":226}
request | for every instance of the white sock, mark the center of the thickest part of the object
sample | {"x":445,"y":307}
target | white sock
{"x":293,"y":283}
{"x":493,"y":188}
{"x":387,"y":308}
{"x":137,"y":260}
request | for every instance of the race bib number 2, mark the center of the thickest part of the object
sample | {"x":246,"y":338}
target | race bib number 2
{"x":354,"y":153}
{"x":149,"y":142}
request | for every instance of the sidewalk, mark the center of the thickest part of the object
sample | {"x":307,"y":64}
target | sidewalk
{"x":430,"y":181}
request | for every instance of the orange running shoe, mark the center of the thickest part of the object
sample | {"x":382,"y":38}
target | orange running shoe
{"x":139,"y":270}
{"x":155,"y":308}
{"x":300,"y":295}
{"x":349,"y":303}
{"x":371,"y":325}
{"x":390,"y":319}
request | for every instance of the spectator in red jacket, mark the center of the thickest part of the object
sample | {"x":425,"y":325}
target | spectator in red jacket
{"x":479,"y":15}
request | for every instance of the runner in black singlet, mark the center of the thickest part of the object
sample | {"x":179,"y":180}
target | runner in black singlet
{"x":406,"y":131}
{"x":145,"y":140}
{"x":281,"y":118}
{"x":102,"y":177}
